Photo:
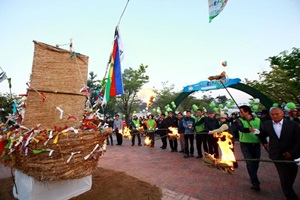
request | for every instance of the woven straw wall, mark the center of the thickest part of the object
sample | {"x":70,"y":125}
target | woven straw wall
{"x":59,"y":78}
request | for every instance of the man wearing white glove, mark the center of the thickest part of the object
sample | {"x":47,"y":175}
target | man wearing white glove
{"x":284,"y":144}
{"x":298,"y":161}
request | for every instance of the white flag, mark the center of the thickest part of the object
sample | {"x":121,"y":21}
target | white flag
{"x":215,"y":8}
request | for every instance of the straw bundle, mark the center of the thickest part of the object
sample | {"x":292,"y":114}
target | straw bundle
{"x":212,"y":162}
{"x":56,"y":80}
{"x":54,"y":100}
{"x":55,"y":166}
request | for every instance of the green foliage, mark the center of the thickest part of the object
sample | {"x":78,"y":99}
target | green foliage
{"x":164,"y":96}
{"x":93,"y":87}
{"x":6,"y":100}
{"x":222,"y":99}
{"x":289,"y":62}
{"x":281,"y":84}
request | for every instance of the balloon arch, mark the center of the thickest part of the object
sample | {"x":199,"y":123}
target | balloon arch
{"x":235,"y":83}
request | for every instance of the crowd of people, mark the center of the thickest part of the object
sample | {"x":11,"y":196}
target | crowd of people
{"x":273,"y":130}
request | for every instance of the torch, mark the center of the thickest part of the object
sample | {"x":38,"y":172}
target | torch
{"x":221,"y":78}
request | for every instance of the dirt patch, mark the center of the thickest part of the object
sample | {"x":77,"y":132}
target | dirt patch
{"x":107,"y":184}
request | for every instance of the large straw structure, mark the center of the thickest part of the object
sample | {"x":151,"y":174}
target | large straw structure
{"x":58,"y":76}
{"x":56,"y":79}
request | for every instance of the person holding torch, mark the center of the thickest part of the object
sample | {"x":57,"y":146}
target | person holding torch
{"x":249,"y":127}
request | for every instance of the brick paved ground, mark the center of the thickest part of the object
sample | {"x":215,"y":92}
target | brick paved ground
{"x":189,"y":178}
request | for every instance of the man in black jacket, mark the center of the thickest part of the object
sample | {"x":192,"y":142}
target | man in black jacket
{"x":284,"y":144}
{"x":162,"y":130}
{"x":172,"y":121}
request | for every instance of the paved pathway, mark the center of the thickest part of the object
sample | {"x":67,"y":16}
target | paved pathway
{"x":189,"y":178}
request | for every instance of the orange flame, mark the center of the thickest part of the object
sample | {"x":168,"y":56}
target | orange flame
{"x":140,"y":129}
{"x":126,"y":133}
{"x":226,"y":146}
{"x":147,"y":141}
{"x":174,"y":134}
{"x":151,"y":101}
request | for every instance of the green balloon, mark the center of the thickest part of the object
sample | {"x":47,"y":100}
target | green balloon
{"x":231,"y":101}
{"x":251,"y":102}
{"x":173,"y":103}
{"x":158,"y":112}
{"x":221,"y":106}
{"x":212,"y":104}
{"x":228,"y":105}
{"x":275,"y":105}
{"x":290,"y":105}
{"x":195,"y":107}
{"x":216,"y":109}
{"x":255,"y":107}
{"x":134,"y":112}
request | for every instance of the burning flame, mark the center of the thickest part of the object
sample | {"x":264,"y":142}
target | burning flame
{"x":147,"y":141}
{"x":174,"y":134}
{"x":226,"y":146}
{"x":126,"y":133}
{"x":140,"y":129}
{"x":151,"y":101}
{"x":148,"y":95}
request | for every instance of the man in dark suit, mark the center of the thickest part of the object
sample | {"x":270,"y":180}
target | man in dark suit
{"x":284,"y":144}
{"x":163,"y":130}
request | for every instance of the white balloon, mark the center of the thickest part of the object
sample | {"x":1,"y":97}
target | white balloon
{"x":256,"y":100}
{"x":286,"y":108}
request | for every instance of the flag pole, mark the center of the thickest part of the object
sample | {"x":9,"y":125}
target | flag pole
{"x":123,"y":13}
{"x":110,"y":56}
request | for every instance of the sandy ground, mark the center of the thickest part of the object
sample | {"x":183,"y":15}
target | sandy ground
{"x":107,"y":184}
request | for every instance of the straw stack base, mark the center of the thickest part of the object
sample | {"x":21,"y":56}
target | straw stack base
{"x":55,"y":167}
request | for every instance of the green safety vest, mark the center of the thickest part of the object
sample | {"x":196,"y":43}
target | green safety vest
{"x":136,"y":123}
{"x":151,"y":123}
{"x":199,"y":128}
{"x":249,"y":137}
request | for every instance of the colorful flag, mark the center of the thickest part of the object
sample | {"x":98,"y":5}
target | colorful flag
{"x":215,"y":8}
{"x":2,"y":76}
{"x":114,"y":83}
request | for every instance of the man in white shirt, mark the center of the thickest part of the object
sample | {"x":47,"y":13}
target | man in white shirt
{"x":284,"y":144}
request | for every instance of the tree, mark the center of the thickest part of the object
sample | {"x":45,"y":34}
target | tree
{"x":164,"y":96}
{"x":6,"y":108}
{"x":290,"y":63}
{"x":221,"y":99}
{"x":93,"y":87}
{"x":133,"y":81}
{"x":281,"y":84}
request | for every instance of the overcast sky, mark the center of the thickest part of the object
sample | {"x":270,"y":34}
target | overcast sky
{"x":172,"y":37}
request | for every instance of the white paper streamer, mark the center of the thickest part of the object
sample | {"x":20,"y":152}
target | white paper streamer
{"x":72,"y":154}
{"x":87,"y":156}
{"x":61,"y":112}
{"x":50,"y":137}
